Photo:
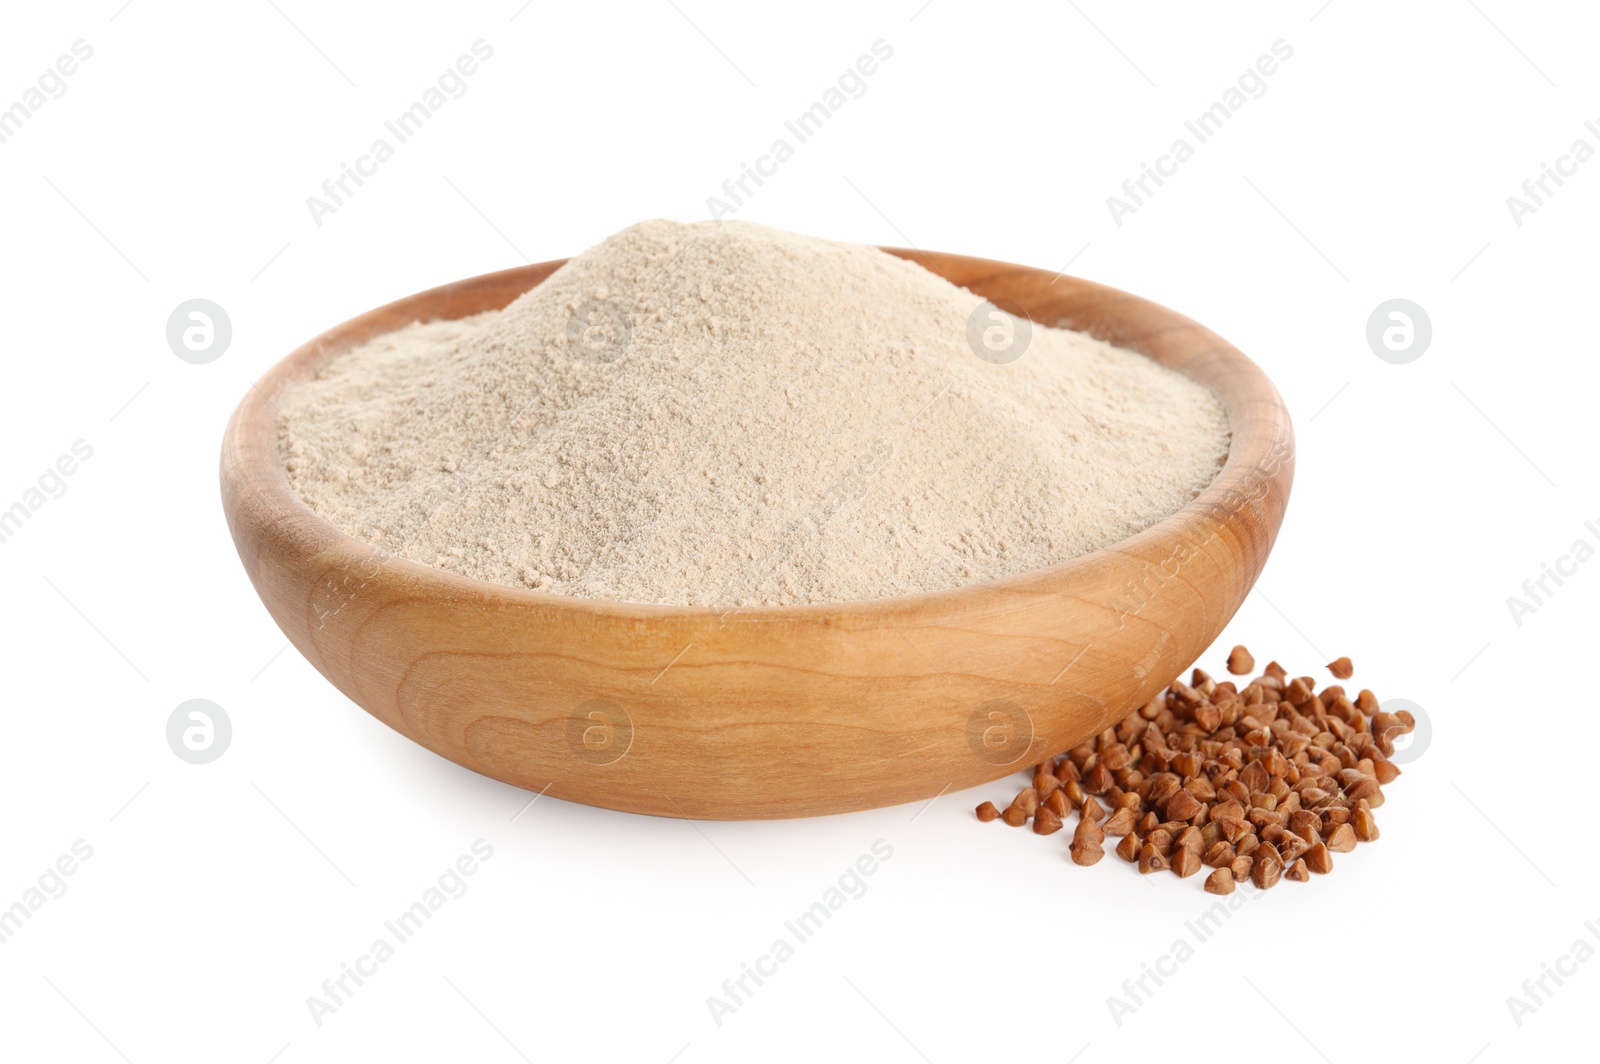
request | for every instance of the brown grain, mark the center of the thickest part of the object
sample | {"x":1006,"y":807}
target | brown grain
{"x":1263,"y":782}
{"x":1119,"y":823}
{"x":1266,"y":872}
{"x":1342,"y":839}
{"x":1087,"y":843}
{"x":1185,"y":862}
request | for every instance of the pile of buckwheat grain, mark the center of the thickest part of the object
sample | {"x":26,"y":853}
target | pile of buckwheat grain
{"x":1264,"y":783}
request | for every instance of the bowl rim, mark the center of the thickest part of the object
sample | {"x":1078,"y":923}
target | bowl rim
{"x":251,"y":454}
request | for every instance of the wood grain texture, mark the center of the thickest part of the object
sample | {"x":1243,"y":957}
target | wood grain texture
{"x":777,"y":711}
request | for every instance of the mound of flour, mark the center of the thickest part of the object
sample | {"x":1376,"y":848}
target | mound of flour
{"x":725,"y":414}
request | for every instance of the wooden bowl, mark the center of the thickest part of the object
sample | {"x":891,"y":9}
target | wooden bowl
{"x":778,"y":711}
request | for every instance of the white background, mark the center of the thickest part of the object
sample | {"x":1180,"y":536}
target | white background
{"x":219,"y":897}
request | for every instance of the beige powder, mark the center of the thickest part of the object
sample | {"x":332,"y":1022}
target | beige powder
{"x":725,"y":414}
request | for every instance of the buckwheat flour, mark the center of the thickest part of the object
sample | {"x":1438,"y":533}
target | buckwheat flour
{"x":725,"y":414}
